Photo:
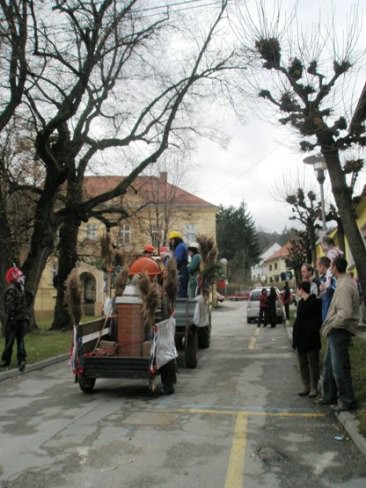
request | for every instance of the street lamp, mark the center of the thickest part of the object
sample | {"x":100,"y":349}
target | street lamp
{"x":319,"y":166}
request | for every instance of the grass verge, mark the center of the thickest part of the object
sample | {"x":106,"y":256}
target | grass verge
{"x":44,"y":343}
{"x":358,"y":355}
{"x":358,"y":367}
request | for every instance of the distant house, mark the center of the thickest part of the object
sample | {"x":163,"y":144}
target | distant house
{"x":277,"y":266}
{"x":154,"y":208}
{"x":259,"y":271}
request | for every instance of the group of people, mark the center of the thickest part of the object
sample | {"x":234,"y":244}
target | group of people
{"x":267,"y":307}
{"x":188,"y":261}
{"x":328,"y":306}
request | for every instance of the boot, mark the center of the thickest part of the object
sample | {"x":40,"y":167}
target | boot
{"x":305,"y":391}
{"x":314,"y":392}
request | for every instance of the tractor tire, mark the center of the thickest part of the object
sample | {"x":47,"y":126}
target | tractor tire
{"x":86,"y":384}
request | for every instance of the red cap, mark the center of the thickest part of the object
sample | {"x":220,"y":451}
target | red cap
{"x":149,"y":248}
{"x":13,"y":274}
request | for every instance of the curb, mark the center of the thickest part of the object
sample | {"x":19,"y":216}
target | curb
{"x":347,"y":419}
{"x":14,"y":372}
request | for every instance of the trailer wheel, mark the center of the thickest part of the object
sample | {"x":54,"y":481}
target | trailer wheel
{"x":190,"y":353}
{"x":86,"y":384}
{"x":204,"y":337}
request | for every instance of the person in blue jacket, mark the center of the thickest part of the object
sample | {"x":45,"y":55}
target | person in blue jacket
{"x":327,"y":283}
{"x":180,"y":254}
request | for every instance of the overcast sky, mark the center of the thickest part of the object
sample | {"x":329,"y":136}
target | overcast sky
{"x":260,"y":154}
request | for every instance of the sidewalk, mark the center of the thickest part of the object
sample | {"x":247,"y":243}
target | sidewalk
{"x":348,"y":419}
{"x":6,"y":374}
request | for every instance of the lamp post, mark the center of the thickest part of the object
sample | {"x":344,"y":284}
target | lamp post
{"x":319,"y":166}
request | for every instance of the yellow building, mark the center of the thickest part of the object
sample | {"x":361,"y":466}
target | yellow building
{"x":276,"y":267}
{"x":154,"y":207}
{"x":360,"y":213}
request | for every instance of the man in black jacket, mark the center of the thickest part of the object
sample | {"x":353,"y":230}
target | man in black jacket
{"x":306,"y":338}
{"x":16,"y":317}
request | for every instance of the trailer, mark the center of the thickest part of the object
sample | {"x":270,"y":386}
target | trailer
{"x":95,"y":355}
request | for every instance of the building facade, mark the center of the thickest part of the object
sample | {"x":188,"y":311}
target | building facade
{"x":150,"y":209}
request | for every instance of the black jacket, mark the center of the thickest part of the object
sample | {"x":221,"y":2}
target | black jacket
{"x":306,"y":329}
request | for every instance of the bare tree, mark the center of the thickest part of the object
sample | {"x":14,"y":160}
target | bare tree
{"x":97,"y":81}
{"x":13,"y":74}
{"x":306,"y":210}
{"x":305,"y":94}
{"x":160,"y":196}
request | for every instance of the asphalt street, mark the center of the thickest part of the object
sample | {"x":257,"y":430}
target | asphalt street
{"x":236,"y":421}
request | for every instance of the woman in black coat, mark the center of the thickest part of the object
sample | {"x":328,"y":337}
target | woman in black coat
{"x":306,"y":338}
{"x":272,"y":314}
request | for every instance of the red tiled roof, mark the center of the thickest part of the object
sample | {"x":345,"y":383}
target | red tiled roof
{"x":281,"y":253}
{"x":95,"y":185}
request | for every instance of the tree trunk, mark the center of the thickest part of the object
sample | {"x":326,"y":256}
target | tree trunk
{"x":43,"y":239}
{"x":7,"y":251}
{"x":342,"y":196}
{"x":66,"y":263}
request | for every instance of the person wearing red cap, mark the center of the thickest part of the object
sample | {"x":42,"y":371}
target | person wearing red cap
{"x":149,"y":250}
{"x":16,"y":317}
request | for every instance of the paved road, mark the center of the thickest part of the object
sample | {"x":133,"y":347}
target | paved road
{"x":234,"y":422}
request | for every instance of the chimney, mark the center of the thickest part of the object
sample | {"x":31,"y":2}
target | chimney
{"x":164,"y":176}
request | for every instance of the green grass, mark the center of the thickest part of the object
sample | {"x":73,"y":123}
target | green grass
{"x":358,"y":355}
{"x":44,"y":343}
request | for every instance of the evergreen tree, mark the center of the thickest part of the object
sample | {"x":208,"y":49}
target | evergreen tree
{"x":237,"y":240}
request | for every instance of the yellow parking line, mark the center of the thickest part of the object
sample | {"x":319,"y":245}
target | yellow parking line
{"x":235,"y":471}
{"x":252,"y":343}
{"x":253,"y":413}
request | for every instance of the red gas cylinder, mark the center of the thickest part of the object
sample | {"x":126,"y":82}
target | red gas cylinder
{"x":145,"y":264}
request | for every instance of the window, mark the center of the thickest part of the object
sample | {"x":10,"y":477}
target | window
{"x":190,"y":233}
{"x":91,"y":232}
{"x":275,"y":265}
{"x":270,"y":267}
{"x":125,"y":234}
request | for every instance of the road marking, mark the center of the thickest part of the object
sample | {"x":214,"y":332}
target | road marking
{"x":235,"y":471}
{"x":252,"y":343}
{"x":253,"y":413}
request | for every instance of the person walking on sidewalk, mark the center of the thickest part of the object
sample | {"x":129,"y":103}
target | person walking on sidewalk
{"x":339,"y":327}
{"x":16,"y":317}
{"x":306,"y":338}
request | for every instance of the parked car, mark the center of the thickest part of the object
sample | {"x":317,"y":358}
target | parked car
{"x":253,"y":306}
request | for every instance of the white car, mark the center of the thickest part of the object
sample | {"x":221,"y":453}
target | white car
{"x":253,"y":305}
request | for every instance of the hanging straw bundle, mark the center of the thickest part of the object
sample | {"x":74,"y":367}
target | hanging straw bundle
{"x":170,"y":283}
{"x":210,"y":268}
{"x":73,"y":296}
{"x":151,"y":297}
{"x":121,"y":281}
